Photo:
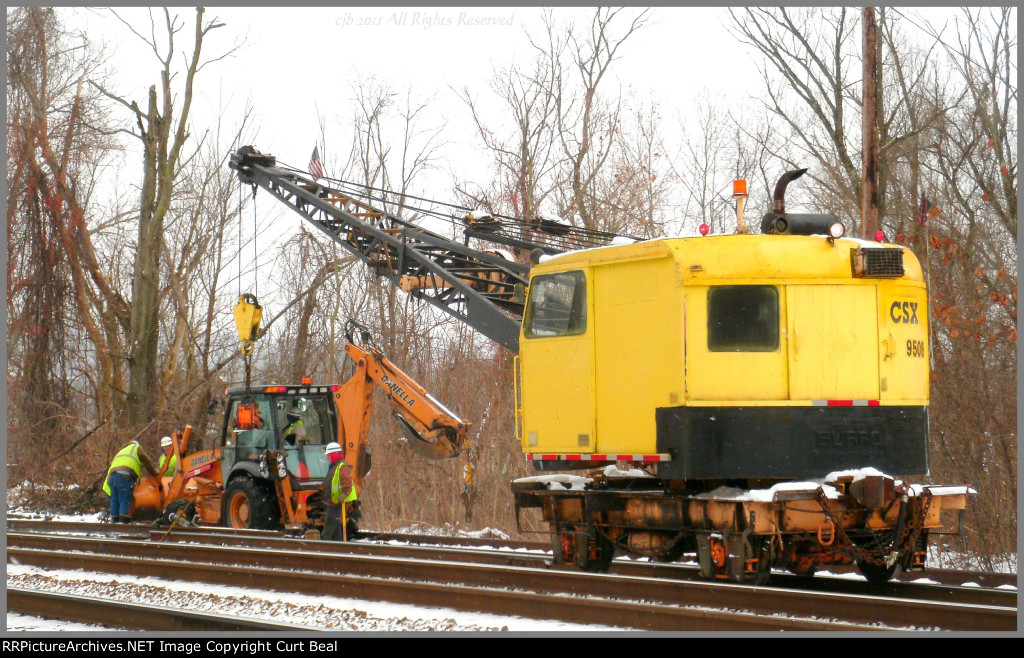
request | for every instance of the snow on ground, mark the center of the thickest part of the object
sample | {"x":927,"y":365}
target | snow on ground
{"x":326,"y":612}
{"x":19,"y":623}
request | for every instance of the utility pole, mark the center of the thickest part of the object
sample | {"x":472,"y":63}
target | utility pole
{"x":869,"y":128}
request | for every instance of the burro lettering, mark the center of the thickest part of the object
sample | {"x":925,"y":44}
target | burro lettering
{"x":846,"y":437}
{"x":903,"y":312}
{"x":397,"y":390}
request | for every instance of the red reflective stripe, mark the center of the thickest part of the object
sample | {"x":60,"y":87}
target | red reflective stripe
{"x":852,"y":403}
{"x":201,"y":469}
{"x":598,"y":458}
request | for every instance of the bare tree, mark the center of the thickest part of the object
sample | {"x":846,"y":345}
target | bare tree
{"x":948,"y":183}
{"x":586,"y":122}
{"x":524,"y":157}
{"x":164,"y":133}
{"x":57,"y":292}
{"x":808,"y":68}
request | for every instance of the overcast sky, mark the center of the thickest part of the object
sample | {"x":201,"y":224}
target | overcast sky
{"x":294,"y":63}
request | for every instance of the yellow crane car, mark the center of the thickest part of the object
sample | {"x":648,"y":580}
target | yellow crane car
{"x":750,"y":398}
{"x":760,"y":388}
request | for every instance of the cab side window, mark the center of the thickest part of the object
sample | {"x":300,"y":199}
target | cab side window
{"x":309,"y":412}
{"x":253,"y":439}
{"x":557,"y":306}
{"x":743,"y":319}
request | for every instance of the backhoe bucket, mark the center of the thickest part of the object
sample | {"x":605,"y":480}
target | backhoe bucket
{"x":435,"y":445}
{"x":148,"y":499}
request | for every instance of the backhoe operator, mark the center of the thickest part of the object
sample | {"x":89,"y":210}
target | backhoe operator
{"x":295,"y":432}
{"x":338,"y":491}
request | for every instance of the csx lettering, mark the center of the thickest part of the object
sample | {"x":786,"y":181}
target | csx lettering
{"x":903,"y":312}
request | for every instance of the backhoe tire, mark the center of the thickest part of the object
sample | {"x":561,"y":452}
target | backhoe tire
{"x":249,"y":504}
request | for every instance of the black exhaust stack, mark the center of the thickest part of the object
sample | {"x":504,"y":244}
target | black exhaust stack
{"x":778,"y":221}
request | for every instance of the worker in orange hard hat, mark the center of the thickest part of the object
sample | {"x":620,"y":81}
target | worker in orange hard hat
{"x":338,"y":495}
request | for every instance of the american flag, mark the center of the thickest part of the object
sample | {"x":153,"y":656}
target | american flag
{"x":927,"y":210}
{"x":316,"y":169}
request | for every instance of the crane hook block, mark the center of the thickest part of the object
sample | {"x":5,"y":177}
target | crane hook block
{"x":248,"y":314}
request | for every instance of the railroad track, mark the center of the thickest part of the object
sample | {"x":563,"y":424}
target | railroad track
{"x":505,"y":582}
{"x":229,"y":536}
{"x":129,"y":616}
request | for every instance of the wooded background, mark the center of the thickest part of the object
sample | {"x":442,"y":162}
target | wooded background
{"x":119,"y":307}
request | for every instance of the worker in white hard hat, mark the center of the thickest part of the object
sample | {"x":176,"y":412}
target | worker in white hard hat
{"x":338,"y":494}
{"x":166,"y":444}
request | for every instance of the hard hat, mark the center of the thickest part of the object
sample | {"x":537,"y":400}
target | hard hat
{"x":135,"y":441}
{"x":332,"y":448}
{"x":294,"y":409}
{"x":165,"y":442}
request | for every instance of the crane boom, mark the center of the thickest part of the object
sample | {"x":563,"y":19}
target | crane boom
{"x":476,"y":287}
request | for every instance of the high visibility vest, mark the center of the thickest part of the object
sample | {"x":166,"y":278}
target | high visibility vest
{"x":291,"y":428}
{"x":336,"y":488}
{"x":172,"y":469}
{"x":127,"y":457}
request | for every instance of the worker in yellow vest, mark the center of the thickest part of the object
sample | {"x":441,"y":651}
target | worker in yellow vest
{"x":338,"y":492}
{"x":125,"y":470}
{"x":166,"y":444}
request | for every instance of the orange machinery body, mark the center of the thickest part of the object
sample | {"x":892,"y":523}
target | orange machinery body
{"x":431,"y":429}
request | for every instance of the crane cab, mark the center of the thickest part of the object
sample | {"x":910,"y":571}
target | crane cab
{"x":739,"y":356}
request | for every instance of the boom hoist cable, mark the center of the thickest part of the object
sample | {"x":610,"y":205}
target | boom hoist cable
{"x":248,"y":315}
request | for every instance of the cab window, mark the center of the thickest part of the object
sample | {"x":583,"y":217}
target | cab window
{"x":557,"y":306}
{"x":250,"y":439}
{"x":743,"y":319}
{"x":313,"y":426}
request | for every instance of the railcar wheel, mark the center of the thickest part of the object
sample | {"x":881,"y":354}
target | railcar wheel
{"x":762,"y":566}
{"x":807,"y":572}
{"x":598,"y":554}
{"x":878,"y":544}
{"x":712,"y":556}
{"x":879,"y":574}
{"x":249,"y":505}
{"x":727,"y":558}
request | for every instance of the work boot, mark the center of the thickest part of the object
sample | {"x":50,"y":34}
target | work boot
{"x":124,"y":518}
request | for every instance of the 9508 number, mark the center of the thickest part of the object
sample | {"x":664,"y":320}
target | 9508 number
{"x":915,"y":348}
